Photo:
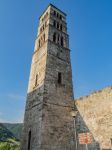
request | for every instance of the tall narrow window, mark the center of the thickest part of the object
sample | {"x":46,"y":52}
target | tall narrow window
{"x":59,"y":78}
{"x":57,"y":15}
{"x":58,"y":39}
{"x":61,"y":27}
{"x":29,"y":140}
{"x":61,"y":17}
{"x":36,"y":80}
{"x":61,"y":41}
{"x":54,"y":23}
{"x":57,"y":25}
{"x":54,"y":37}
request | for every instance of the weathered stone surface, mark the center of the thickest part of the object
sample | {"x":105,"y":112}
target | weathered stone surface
{"x":49,"y":99}
{"x":96,"y":111}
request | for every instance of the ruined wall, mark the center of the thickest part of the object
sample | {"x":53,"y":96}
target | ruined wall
{"x":96,"y":112}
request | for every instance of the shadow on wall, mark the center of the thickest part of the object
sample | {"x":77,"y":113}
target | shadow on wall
{"x":84,"y":135}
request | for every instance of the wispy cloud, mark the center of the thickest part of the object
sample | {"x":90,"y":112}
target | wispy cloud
{"x":1,"y":118}
{"x":12,"y":96}
{"x":18,"y":119}
{"x":16,"y":96}
{"x":9,"y":115}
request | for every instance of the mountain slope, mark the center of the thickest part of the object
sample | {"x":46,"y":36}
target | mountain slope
{"x":7,"y":140}
{"x":15,"y":128}
{"x":5,"y":134}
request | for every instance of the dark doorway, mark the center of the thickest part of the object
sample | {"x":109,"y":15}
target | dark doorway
{"x":29,"y":140}
{"x":59,"y":78}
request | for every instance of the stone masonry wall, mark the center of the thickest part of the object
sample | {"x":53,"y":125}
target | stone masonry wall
{"x":96,"y":111}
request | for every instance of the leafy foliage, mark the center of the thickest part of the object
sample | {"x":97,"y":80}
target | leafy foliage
{"x":8,"y":146}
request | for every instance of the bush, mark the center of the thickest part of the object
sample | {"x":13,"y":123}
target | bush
{"x":8,"y":146}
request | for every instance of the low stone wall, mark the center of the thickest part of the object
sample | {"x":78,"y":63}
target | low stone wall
{"x":96,"y":113}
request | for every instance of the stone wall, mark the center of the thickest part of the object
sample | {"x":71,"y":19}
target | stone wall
{"x":96,"y":111}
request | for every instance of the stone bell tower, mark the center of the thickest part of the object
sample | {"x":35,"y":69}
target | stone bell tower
{"x":47,"y":122}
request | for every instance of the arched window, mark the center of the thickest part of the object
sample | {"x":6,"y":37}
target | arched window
{"x":54,"y":37}
{"x":29,"y":140}
{"x":62,"y":43}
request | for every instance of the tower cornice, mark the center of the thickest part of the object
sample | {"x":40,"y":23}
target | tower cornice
{"x":53,"y":7}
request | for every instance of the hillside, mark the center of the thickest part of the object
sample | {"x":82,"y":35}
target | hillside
{"x":5,"y":134}
{"x":7,"y":140}
{"x":15,"y":128}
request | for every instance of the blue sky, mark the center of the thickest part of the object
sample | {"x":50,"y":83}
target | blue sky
{"x":90,"y":30}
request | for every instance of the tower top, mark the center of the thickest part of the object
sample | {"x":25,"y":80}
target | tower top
{"x":51,"y":5}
